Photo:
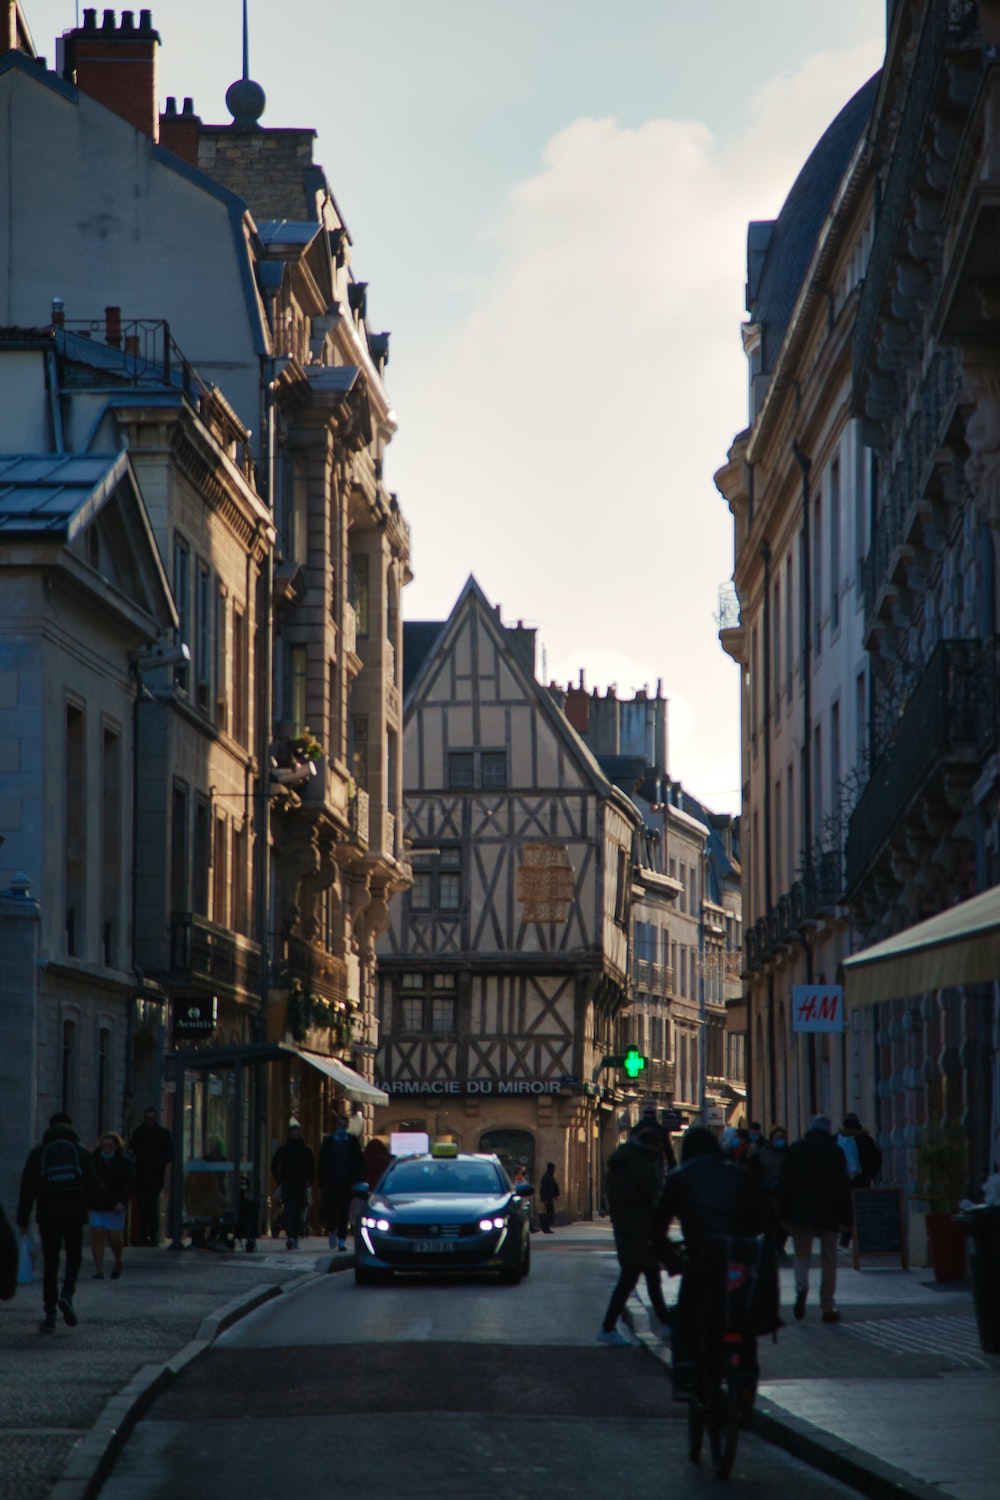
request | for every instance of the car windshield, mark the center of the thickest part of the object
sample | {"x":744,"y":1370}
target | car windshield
{"x":442,"y":1177}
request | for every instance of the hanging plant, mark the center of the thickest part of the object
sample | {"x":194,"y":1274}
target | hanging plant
{"x":306,"y":746}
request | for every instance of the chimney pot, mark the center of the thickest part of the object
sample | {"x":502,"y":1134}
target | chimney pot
{"x":90,"y":20}
{"x":58,"y":312}
{"x":189,"y":106}
{"x":113,"y":324}
{"x":109,"y":21}
{"x":171,"y":108}
{"x":128,"y":20}
{"x":145,"y":20}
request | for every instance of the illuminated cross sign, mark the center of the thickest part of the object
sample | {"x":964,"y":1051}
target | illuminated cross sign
{"x":633,"y":1062}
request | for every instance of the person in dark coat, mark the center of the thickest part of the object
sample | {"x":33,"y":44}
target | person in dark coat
{"x":814,"y":1200}
{"x":58,"y":1182}
{"x":548,"y":1192}
{"x":376,"y":1157}
{"x":341,"y":1165}
{"x":294,"y":1169}
{"x":649,"y":1120}
{"x":151,"y":1147}
{"x":711,"y":1195}
{"x":869,"y":1155}
{"x":634,"y":1183}
{"x":115,"y":1176}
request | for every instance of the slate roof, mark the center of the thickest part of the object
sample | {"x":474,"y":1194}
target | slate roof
{"x":50,"y":495}
{"x":288,"y":231}
{"x":800,"y":220}
{"x":419,"y":637}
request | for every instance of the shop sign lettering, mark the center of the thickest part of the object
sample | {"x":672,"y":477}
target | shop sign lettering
{"x":476,"y":1086}
{"x":817,"y":1007}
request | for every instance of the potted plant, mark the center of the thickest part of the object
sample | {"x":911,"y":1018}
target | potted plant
{"x":943,"y":1168}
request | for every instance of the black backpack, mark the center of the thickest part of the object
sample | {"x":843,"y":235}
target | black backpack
{"x":740,"y":1281}
{"x":62,"y":1171}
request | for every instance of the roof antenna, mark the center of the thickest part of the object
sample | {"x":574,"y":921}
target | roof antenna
{"x":245,"y":99}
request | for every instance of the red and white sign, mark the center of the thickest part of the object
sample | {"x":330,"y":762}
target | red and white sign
{"x":817,"y":1007}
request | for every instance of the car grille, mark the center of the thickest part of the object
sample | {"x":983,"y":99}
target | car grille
{"x":435,"y":1231}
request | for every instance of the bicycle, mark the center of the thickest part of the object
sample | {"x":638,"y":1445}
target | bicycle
{"x":726,"y":1381}
{"x":723,"y":1402}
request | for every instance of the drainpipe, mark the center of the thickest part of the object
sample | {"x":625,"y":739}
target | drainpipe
{"x":765,"y":553}
{"x":805,"y":464}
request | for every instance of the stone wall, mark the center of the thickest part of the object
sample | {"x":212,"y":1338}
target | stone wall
{"x":266,"y":167}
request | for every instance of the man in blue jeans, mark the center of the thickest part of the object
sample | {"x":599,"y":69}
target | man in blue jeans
{"x":59,"y":1181}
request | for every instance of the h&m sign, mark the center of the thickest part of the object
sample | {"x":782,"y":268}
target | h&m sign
{"x":817,"y":1007}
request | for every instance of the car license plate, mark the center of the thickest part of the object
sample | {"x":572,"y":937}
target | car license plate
{"x":433,"y":1246}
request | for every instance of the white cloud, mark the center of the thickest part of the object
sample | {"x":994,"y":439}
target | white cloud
{"x":561,"y":442}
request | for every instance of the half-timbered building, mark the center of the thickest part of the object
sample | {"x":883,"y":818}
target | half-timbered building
{"x":506,"y":962}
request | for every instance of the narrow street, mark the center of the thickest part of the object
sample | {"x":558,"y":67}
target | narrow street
{"x":435,"y":1388}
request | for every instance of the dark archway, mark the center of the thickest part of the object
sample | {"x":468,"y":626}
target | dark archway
{"x":515,"y":1148}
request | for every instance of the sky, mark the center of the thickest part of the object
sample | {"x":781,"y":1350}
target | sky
{"x":549,"y":202}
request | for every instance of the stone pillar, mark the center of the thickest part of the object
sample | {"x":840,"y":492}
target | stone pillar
{"x":20,"y":922}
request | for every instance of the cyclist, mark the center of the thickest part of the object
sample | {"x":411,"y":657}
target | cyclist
{"x":710,"y":1195}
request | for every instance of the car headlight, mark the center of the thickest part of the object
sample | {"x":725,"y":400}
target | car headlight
{"x":382,"y":1225}
{"x":486,"y":1224}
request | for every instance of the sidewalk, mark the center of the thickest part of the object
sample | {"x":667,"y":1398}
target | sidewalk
{"x":898,"y":1399}
{"x":65,"y":1396}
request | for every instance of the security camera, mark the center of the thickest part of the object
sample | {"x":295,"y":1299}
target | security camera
{"x":162,"y":654}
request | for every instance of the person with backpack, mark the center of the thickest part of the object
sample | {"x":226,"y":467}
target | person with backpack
{"x":58,"y":1181}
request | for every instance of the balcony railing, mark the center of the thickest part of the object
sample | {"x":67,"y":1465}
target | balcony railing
{"x":951,"y":716}
{"x":202,"y":950}
{"x":654,"y":979}
{"x":320,"y":972}
{"x":729,"y":607}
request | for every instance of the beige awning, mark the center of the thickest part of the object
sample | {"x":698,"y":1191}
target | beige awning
{"x":352,"y":1083}
{"x":958,"y":946}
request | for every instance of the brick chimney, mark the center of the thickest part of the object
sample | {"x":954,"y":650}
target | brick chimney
{"x":14,"y":36}
{"x":116,"y":65}
{"x":179,"y":132}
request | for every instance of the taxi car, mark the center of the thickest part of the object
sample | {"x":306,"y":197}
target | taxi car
{"x":444,"y":1210}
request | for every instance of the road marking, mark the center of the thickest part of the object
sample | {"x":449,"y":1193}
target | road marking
{"x":956,"y":1337}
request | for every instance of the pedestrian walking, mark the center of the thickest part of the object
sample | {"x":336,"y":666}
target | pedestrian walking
{"x":814,"y":1201}
{"x":768,"y":1166}
{"x":151,"y":1147}
{"x":548,"y":1192}
{"x":649,"y":1120}
{"x":58,"y":1182}
{"x":294,"y":1169}
{"x":634,"y":1185}
{"x":857,"y":1145}
{"x":115,"y":1175}
{"x":341,"y":1165}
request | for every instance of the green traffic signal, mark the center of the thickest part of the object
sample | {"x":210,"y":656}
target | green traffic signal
{"x":633,"y":1062}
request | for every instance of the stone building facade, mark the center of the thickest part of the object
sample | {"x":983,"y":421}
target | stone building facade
{"x":268,"y":828}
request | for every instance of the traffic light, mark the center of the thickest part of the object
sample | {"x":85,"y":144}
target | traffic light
{"x":633,"y":1062}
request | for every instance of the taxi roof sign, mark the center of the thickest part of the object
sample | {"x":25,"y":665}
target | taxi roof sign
{"x":444,"y":1148}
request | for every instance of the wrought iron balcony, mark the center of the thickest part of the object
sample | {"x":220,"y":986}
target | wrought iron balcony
{"x":729,"y":607}
{"x":201,"y":950}
{"x":950,"y":718}
{"x":750,"y":942}
{"x":654,"y":979}
{"x":320,"y":972}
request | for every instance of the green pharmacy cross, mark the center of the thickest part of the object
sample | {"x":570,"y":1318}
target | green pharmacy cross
{"x":633,"y":1062}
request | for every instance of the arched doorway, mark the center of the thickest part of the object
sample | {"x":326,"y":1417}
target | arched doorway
{"x":515,"y":1148}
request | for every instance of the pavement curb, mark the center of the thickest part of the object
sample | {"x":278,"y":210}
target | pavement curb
{"x":838,"y":1459}
{"x":92,"y":1459}
{"x":841,"y":1460}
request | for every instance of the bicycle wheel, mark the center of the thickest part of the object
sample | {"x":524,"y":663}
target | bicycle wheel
{"x":696,"y":1430}
{"x":724,"y":1428}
